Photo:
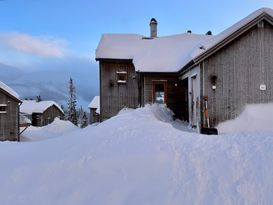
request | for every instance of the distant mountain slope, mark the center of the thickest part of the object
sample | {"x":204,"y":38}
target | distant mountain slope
{"x":51,"y":83}
{"x":9,"y":73}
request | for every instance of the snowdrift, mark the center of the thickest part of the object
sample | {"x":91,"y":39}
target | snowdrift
{"x":138,"y":157}
{"x":255,"y":117}
{"x":55,"y":129}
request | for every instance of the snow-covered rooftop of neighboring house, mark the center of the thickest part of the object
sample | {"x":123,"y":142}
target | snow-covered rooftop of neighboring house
{"x":165,"y":54}
{"x":95,"y":103}
{"x":32,"y":106}
{"x":24,"y":120}
{"x":9,"y":90}
{"x":161,"y":54}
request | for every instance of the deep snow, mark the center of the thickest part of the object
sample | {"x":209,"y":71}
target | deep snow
{"x":255,"y":117}
{"x":138,"y":157}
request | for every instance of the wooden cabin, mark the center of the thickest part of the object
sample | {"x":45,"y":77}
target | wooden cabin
{"x":187,"y":71}
{"x":41,"y":113}
{"x":94,"y":108}
{"x":9,"y":113}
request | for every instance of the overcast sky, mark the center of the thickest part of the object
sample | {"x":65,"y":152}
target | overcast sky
{"x":48,"y":41}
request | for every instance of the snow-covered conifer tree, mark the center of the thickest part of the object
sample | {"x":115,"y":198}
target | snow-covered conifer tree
{"x":72,"y":103}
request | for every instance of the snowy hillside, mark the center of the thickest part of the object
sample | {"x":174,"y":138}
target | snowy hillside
{"x":138,"y":157}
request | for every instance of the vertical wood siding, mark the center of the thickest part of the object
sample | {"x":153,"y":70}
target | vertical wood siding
{"x":115,"y":96}
{"x":175,"y":94}
{"x":47,"y":117}
{"x":241,"y":67}
{"x":9,"y":121}
{"x":94,"y":117}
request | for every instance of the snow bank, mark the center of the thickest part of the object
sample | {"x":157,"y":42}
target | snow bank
{"x":135,"y":158}
{"x":55,"y":129}
{"x":255,"y":117}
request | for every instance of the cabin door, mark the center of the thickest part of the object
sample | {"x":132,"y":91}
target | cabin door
{"x":194,"y":101}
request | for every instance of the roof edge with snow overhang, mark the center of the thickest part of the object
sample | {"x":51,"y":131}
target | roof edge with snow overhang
{"x":9,"y":91}
{"x":165,"y":54}
{"x":233,"y":32}
{"x":95,"y":104}
{"x":32,"y":106}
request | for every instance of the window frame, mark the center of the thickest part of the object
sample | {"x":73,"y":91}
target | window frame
{"x":161,"y":82}
{"x":3,"y":108}
{"x":121,"y":77}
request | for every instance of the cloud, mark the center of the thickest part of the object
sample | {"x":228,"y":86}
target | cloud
{"x":36,"y":45}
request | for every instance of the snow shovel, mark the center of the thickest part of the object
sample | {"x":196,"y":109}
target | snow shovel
{"x":207,"y":130}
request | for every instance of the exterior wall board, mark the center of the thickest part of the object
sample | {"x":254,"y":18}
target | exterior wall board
{"x":114,"y":95}
{"x":241,"y":67}
{"x":9,"y":125}
{"x":174,"y":91}
{"x":47,"y":117}
{"x":193,"y":72}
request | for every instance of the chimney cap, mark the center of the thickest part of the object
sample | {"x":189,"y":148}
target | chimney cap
{"x":209,"y":33}
{"x":153,"y":20}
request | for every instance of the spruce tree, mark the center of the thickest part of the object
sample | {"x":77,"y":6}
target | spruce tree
{"x":84,"y":121}
{"x":72,"y":103}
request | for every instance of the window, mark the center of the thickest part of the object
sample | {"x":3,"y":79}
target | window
{"x":159,"y":92}
{"x":3,"y":108}
{"x":121,"y":77}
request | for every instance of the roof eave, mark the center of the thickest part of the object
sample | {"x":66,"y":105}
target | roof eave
{"x":187,"y":67}
{"x":158,"y":73}
{"x":11,"y":96}
{"x":114,"y":60}
{"x":232,"y":36}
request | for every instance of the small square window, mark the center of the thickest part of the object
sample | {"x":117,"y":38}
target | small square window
{"x":3,"y":108}
{"x":121,"y":77}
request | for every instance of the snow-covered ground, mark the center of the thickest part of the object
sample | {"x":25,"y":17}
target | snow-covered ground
{"x":255,"y":117}
{"x":138,"y":157}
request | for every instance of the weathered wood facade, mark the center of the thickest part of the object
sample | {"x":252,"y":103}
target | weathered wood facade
{"x":94,"y":116}
{"x":244,"y":71}
{"x":174,"y":91}
{"x":138,"y":89}
{"x":9,"y":117}
{"x":231,"y":70}
{"x":115,"y":93}
{"x":47,"y":117}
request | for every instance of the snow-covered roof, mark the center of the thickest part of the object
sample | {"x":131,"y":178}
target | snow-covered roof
{"x":95,"y":103}
{"x":32,"y":106}
{"x":161,"y":54}
{"x":24,"y":120}
{"x":231,"y":30}
{"x":169,"y":53}
{"x":9,"y":90}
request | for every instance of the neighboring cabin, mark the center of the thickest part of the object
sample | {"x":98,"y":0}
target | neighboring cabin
{"x":94,"y":108}
{"x":231,"y":69}
{"x":9,"y":113}
{"x":41,"y":113}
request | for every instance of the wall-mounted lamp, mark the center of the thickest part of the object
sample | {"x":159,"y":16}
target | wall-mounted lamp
{"x":213,"y":80}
